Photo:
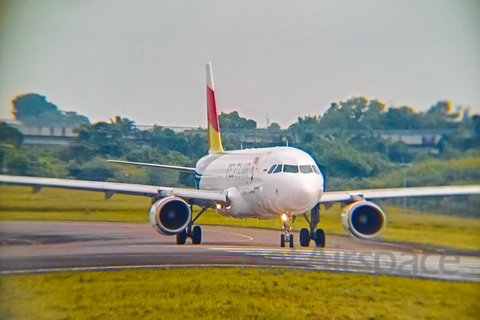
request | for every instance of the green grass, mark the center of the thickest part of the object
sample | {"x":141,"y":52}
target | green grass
{"x":19,"y":203}
{"x":228,"y":294}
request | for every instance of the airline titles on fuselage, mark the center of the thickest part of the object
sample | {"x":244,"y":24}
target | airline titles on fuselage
{"x":240,"y":170}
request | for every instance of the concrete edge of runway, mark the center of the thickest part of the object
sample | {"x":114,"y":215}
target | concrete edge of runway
{"x":275,"y":270}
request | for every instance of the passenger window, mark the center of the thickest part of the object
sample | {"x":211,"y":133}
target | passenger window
{"x":315,"y":168}
{"x":271,"y":169}
{"x":306,"y":169}
{"x":278,"y":169}
{"x":290,"y":169}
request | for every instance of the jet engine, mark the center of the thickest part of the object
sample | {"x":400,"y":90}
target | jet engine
{"x":170,"y":215}
{"x":364,"y":220}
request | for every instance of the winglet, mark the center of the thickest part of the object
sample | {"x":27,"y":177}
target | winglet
{"x":214,"y":138}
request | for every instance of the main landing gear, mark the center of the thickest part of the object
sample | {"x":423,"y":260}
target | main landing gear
{"x":317,"y":235}
{"x":287,"y":237}
{"x":193,"y":232}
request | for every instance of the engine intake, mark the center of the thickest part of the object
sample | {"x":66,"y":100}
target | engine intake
{"x":364,"y":220}
{"x":170,"y":215}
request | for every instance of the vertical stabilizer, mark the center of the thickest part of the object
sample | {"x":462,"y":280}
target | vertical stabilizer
{"x":214,"y":139}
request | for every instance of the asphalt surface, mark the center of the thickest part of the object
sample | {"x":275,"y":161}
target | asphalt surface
{"x":31,"y":247}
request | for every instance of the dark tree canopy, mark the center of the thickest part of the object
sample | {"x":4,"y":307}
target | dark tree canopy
{"x":358,"y":113}
{"x":102,"y":138}
{"x":33,"y":107}
{"x":440,"y":115}
{"x":274,"y":126}
{"x":402,"y":118}
{"x":234,"y":121}
{"x":10,"y":135}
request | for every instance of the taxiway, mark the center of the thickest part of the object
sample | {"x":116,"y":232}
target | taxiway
{"x":31,"y":246}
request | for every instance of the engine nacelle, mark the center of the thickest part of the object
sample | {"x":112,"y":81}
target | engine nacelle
{"x":170,"y":215}
{"x":364,"y":220}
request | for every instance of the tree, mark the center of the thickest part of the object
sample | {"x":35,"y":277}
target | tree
{"x":372,"y":116}
{"x":274,"y":126}
{"x":345,"y":115}
{"x":124,"y":126}
{"x":440,"y":116}
{"x":10,"y":138}
{"x":73,"y":118}
{"x":337,"y":158}
{"x":402,"y":118}
{"x":398,"y":152}
{"x":165,"y":139}
{"x":476,"y":129}
{"x":304,"y":129}
{"x":369,"y":142}
{"x":103,"y":139}
{"x":145,"y":154}
{"x":33,"y":107}
{"x":37,"y":164}
{"x":97,"y":169}
{"x":197,"y":145}
{"x":232,"y":121}
{"x":10,"y":135}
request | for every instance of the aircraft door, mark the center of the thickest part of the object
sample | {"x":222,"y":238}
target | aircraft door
{"x":257,"y":170}
{"x":256,"y":196}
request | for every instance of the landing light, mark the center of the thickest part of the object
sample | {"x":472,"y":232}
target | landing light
{"x":219,"y":207}
{"x":284,"y":217}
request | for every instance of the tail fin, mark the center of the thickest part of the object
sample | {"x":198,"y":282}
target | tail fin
{"x":214,"y":139}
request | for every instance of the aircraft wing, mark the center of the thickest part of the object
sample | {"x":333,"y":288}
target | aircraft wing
{"x":110,"y":188}
{"x":162,"y":166}
{"x":339,"y":196}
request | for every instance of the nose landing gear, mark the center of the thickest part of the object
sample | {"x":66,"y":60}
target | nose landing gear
{"x":317,"y":235}
{"x":287,"y":237}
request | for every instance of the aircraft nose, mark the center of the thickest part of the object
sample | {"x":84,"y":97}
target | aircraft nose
{"x":301,"y":195}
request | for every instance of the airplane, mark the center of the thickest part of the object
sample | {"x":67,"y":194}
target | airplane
{"x":264,"y":183}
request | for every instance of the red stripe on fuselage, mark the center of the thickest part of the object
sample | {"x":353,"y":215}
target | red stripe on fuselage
{"x":212,"y":109}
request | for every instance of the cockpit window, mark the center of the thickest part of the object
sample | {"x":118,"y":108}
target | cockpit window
{"x":315,"y":168}
{"x":278,"y":169}
{"x":290,"y":168}
{"x":306,"y":169}
{"x":271,"y":169}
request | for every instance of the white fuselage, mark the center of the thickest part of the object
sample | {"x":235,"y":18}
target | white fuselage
{"x":255,"y":189}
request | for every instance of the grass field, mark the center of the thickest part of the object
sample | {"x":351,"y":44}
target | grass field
{"x":19,"y":203}
{"x":228,"y":294}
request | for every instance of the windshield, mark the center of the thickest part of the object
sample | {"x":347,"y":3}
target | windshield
{"x":271,"y":169}
{"x":306,"y":169}
{"x":278,"y":169}
{"x":290,"y":168}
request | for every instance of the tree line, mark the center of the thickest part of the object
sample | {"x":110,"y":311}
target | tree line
{"x":343,"y":141}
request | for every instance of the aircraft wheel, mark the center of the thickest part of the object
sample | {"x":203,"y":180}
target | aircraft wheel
{"x":182,"y":237}
{"x":196,"y":235}
{"x":282,"y":241}
{"x":304,"y":237}
{"x":290,"y":243}
{"x":320,"y":238}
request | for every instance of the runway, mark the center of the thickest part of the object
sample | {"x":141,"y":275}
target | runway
{"x":32,"y":247}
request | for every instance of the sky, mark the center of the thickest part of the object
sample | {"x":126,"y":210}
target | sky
{"x":145,"y":60}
